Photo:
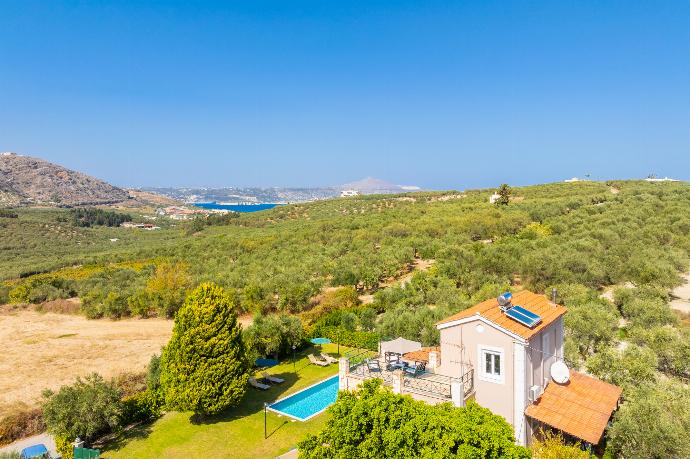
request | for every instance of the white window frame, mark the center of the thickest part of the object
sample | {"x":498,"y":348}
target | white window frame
{"x":490,"y":377}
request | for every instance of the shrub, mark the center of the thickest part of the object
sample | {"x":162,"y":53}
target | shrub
{"x":64,"y":446}
{"x":130,"y":383}
{"x":19,"y":422}
{"x":375,"y":423}
{"x":552,"y":446}
{"x":142,"y":406}
{"x":85,"y":409}
{"x":153,"y":373}
{"x":6,"y":213}
{"x":4,"y":294}
{"x":359,"y":339}
{"x":205,"y":367}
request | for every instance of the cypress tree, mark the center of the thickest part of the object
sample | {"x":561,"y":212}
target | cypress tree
{"x":205,"y":367}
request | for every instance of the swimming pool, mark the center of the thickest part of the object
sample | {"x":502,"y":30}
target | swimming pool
{"x":309,"y":402}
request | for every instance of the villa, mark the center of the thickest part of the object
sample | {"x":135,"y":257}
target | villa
{"x":507,"y":355}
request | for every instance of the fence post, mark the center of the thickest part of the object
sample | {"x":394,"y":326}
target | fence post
{"x":343,"y":369}
{"x":398,"y":383}
{"x":457,"y":393}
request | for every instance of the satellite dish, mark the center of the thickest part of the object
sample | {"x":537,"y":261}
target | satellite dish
{"x":560,"y":372}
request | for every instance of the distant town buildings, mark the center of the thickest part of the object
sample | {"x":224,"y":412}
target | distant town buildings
{"x":348,"y":193}
{"x":655,"y":179}
{"x":144,"y":226}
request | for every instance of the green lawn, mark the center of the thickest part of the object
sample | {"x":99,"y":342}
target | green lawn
{"x":237,"y":434}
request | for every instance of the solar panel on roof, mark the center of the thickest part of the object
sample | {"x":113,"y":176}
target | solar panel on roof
{"x":524,"y":316}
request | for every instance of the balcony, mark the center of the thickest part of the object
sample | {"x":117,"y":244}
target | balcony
{"x":428,"y":386}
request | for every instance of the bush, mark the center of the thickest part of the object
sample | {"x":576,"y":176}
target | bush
{"x":6,"y":213}
{"x":64,"y":446}
{"x":153,"y":373}
{"x":358,"y":339}
{"x":19,"y":422}
{"x":4,"y":294}
{"x":375,"y":423}
{"x":552,"y":446}
{"x":140,"y":407}
{"x":130,"y":383}
{"x":85,"y":409}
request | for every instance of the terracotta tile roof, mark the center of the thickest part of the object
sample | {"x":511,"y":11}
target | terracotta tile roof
{"x":538,"y":304}
{"x":582,"y":407}
{"x":422,"y":355}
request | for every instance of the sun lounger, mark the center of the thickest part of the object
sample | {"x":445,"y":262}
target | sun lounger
{"x":254,"y":383}
{"x":328,"y":358}
{"x":272,"y":378}
{"x":315,"y":361}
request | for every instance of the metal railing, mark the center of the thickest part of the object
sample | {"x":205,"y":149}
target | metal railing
{"x":358,"y":356}
{"x":432,"y":387}
{"x":468,"y":382}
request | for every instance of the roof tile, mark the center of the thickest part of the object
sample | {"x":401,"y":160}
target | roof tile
{"x":582,"y":407}
{"x":489,"y":309}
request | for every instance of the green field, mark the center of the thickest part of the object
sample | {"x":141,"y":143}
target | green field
{"x":237,"y":434}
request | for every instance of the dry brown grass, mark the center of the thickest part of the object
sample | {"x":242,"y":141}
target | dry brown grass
{"x":49,"y":350}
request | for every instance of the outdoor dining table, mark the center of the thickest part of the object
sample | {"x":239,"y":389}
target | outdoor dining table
{"x":397,"y":366}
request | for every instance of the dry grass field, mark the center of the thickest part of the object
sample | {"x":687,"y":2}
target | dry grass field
{"x":48,"y":350}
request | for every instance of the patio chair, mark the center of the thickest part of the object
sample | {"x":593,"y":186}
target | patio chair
{"x":373,"y":365}
{"x":328,"y":358}
{"x":257,"y":385}
{"x":416,"y":369}
{"x":271,"y":378}
{"x":315,"y":361}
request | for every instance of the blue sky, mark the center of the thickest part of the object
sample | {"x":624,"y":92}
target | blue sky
{"x":291,"y":93}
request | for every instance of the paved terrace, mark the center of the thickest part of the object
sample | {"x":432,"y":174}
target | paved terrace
{"x":427,"y":386}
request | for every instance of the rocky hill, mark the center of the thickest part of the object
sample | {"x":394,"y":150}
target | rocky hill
{"x":31,"y":181}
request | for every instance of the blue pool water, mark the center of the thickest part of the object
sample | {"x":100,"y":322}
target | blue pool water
{"x":235,"y":207}
{"x":310,"y":401}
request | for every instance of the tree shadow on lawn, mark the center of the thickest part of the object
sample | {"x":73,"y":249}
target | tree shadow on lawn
{"x":252,"y":402}
{"x":116,"y":441}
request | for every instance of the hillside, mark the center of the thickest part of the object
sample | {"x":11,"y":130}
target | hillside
{"x":25,"y":180}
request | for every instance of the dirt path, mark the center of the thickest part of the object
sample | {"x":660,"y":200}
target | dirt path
{"x":49,"y":350}
{"x":681,"y":296}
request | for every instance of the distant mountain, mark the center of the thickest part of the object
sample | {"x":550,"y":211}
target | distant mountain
{"x":371,"y":185}
{"x":31,"y":181}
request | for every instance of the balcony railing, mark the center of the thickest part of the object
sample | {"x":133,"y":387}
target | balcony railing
{"x":425,"y":384}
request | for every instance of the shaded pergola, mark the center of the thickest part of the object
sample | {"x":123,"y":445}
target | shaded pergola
{"x":399,"y":346}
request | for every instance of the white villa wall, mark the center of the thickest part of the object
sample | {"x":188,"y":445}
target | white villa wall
{"x":475,"y":335}
{"x":525,"y":364}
